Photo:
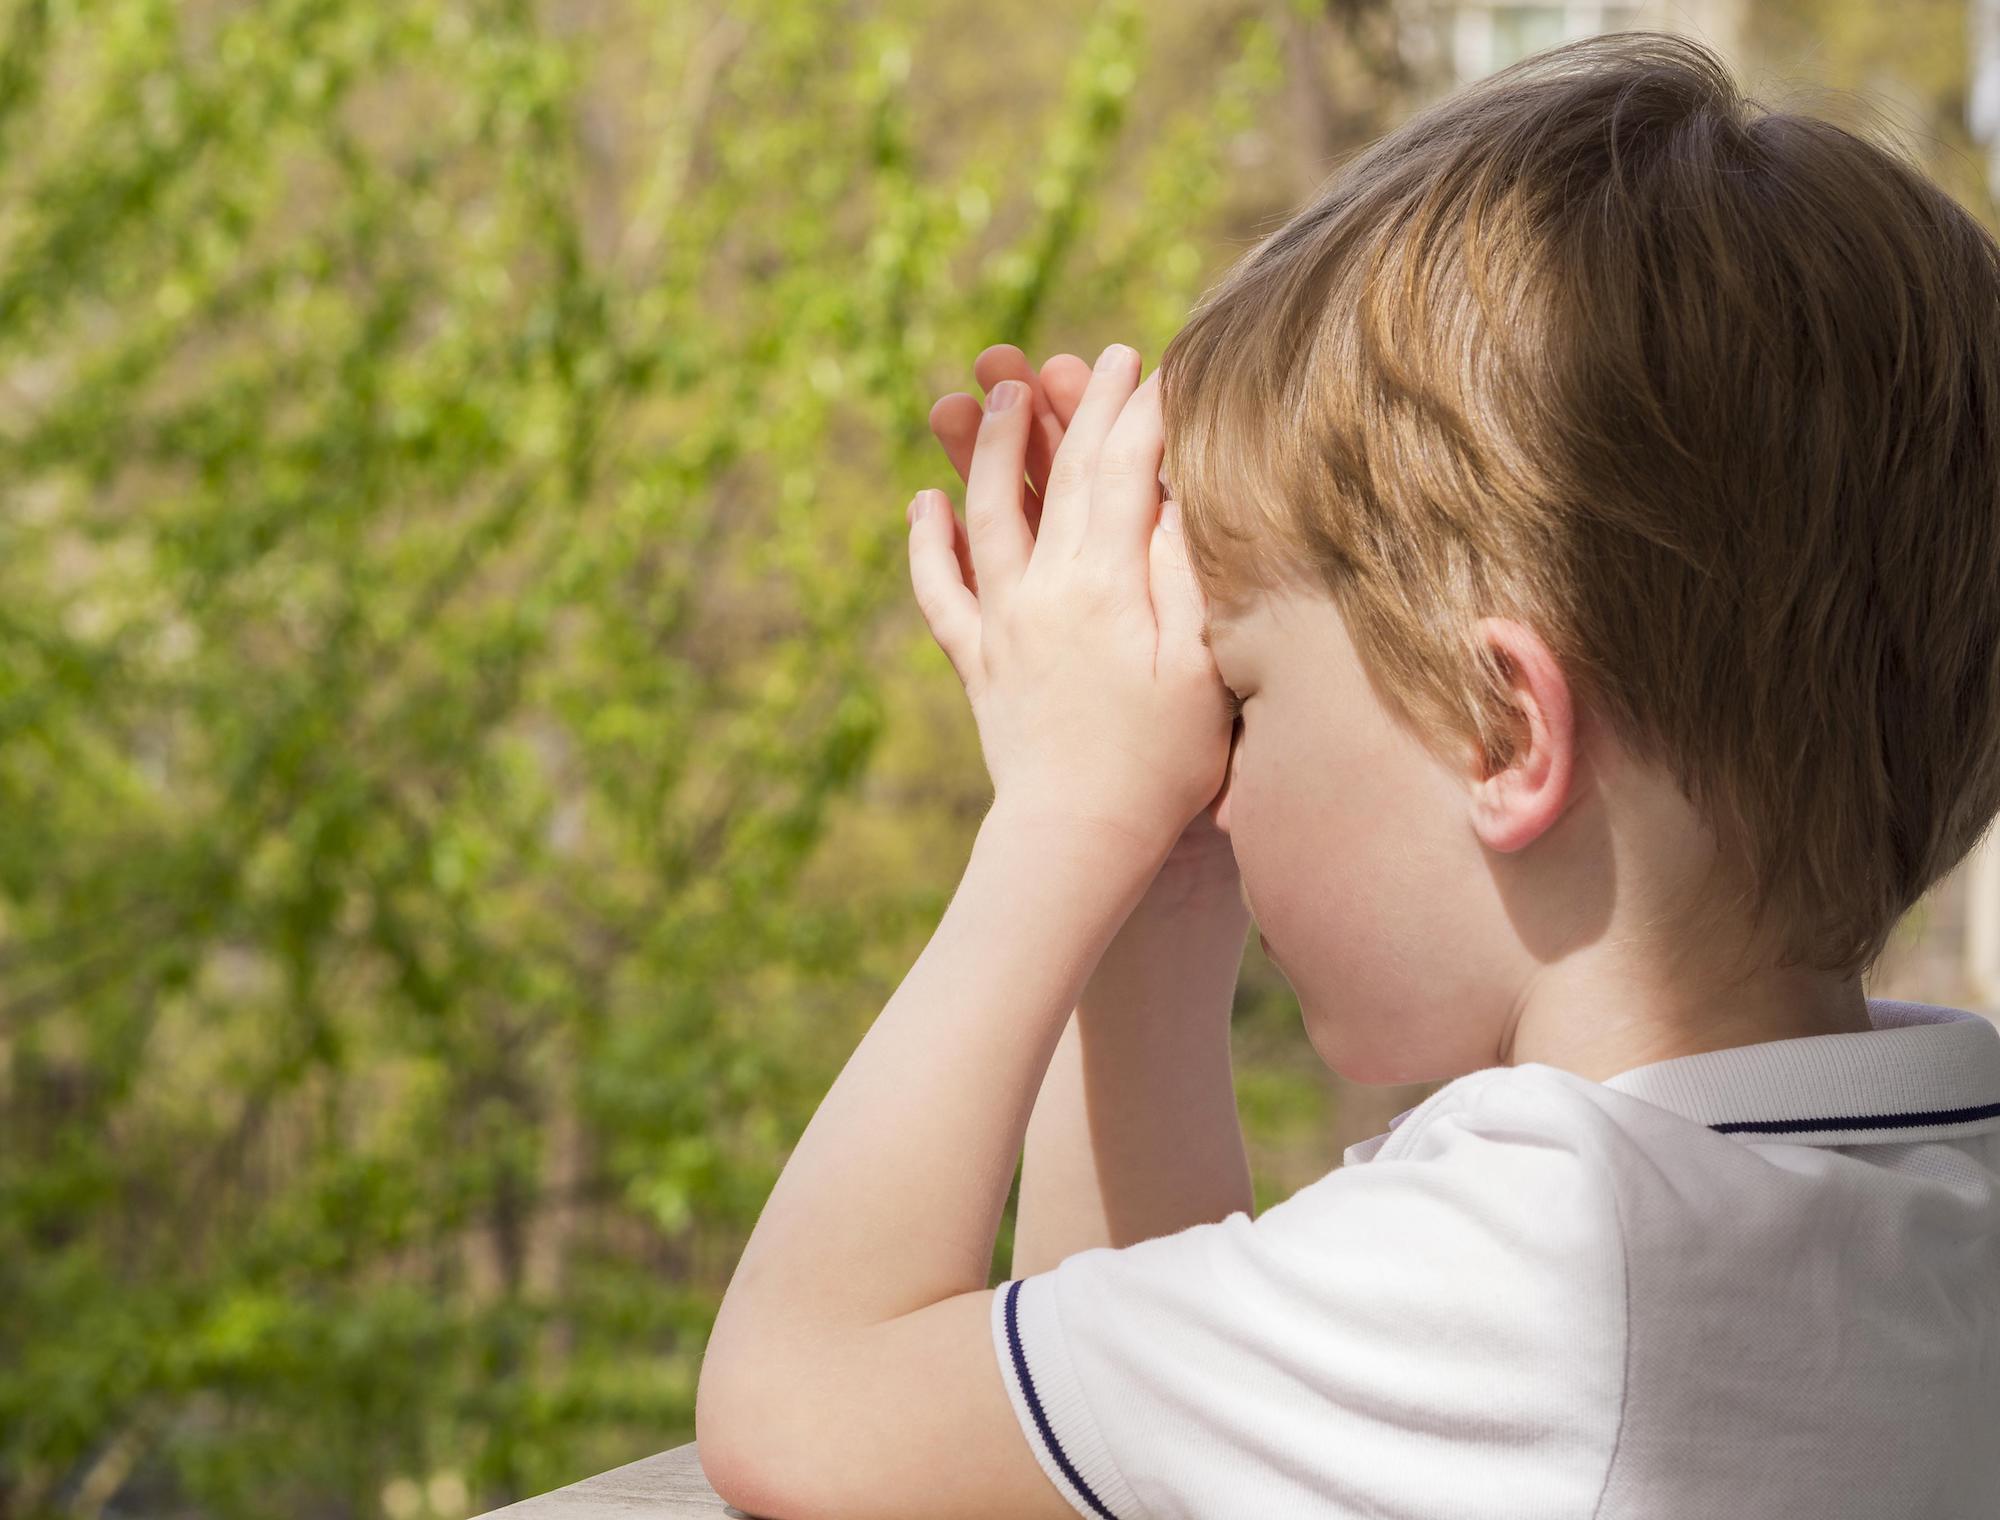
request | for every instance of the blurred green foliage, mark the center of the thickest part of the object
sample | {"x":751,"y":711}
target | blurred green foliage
{"x":469,"y":769}
{"x":453,"y":459}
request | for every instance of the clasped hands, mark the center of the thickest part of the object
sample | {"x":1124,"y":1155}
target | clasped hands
{"x":1067,"y":606}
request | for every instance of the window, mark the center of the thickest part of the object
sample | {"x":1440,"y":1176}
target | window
{"x":1518,"y":30}
{"x":1485,"y":35}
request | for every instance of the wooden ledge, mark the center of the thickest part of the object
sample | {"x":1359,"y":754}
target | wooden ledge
{"x":668,"y":1486}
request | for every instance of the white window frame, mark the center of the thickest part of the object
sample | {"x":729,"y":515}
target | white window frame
{"x":1472,"y":27}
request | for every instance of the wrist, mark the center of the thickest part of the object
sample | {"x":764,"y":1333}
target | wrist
{"x":1196,"y":891}
{"x":1118,"y":848}
{"x":1174,"y":960}
{"x":1200,"y":876}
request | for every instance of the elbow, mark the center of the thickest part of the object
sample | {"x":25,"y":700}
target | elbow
{"x":756,"y":1413}
{"x":732,"y":1429}
{"x":718,"y":1436}
{"x":737,"y":1481}
{"x":734,"y":1482}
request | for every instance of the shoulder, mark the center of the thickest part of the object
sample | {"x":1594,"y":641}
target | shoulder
{"x":1508,"y":1174}
{"x":1500,"y":1119}
{"x":1462,"y":1291}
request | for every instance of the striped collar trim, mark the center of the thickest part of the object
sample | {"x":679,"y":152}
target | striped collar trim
{"x":1924,"y":1072}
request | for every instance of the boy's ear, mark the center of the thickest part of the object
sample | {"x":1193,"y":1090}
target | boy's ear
{"x":1517,"y":795}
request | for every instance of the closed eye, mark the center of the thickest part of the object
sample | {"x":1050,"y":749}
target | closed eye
{"x":1235,"y":706}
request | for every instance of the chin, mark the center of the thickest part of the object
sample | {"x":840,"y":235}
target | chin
{"x":1389,"y":1064}
{"x":1336,"y":1053}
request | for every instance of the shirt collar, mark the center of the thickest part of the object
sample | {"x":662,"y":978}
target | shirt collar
{"x":1923,"y":1072}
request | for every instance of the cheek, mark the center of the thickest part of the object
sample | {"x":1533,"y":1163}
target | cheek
{"x":1283,"y":836}
{"x":1290,"y":887}
{"x":1350,"y":885}
{"x":1332,"y":872}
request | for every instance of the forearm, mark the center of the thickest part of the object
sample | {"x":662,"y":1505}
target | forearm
{"x":891,"y":1199}
{"x":1135,"y":1132}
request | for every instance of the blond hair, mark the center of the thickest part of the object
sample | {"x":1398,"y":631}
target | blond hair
{"x":1707,"y":395}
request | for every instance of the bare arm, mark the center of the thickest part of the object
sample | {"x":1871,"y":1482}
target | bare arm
{"x":1134,"y":1133}
{"x":857,"y":1325}
{"x":850,"y":1369}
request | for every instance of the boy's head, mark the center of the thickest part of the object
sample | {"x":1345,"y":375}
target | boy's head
{"x":1597,"y":490}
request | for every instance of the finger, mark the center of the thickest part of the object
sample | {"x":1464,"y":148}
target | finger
{"x":1179,"y":608}
{"x":1064,"y":377}
{"x":1003,"y":361}
{"x":955,"y":421}
{"x":1125,"y":489}
{"x":955,"y":424}
{"x":950,"y":610}
{"x":1066,"y":507}
{"x":1044,"y":438}
{"x":961,"y":547}
{"x":1001,"y":542}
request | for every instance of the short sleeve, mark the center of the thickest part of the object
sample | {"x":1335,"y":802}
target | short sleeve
{"x":1436,"y":1331}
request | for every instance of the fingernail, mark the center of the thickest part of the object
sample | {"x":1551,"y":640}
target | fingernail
{"x":1112,"y":357}
{"x":915,"y":507}
{"x":1005,"y":394}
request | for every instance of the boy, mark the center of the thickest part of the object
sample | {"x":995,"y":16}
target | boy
{"x":1594,"y":496}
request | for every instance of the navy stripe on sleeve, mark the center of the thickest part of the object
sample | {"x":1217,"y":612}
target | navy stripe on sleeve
{"x":1013,"y":1292}
{"x":1859,"y":1121}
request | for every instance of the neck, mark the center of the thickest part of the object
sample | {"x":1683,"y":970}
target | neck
{"x":1594,"y":1017}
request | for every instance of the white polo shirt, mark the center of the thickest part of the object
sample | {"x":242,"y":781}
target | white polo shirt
{"x":1750,"y":1284}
